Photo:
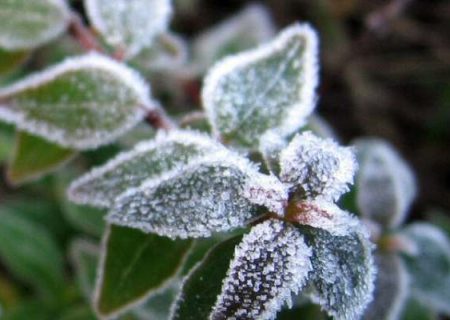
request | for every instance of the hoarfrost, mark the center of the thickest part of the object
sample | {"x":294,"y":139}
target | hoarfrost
{"x":386,"y":184}
{"x":102,"y":185}
{"x":29,"y":24}
{"x":130,"y":25}
{"x":270,"y":145}
{"x":315,"y":166}
{"x":270,"y":87}
{"x":80,"y":103}
{"x":217,"y":193}
{"x":270,"y":264}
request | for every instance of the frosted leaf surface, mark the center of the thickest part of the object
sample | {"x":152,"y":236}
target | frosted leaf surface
{"x":102,"y":185}
{"x":247,"y":29}
{"x":28,"y":24}
{"x":386,"y":184}
{"x":270,"y":87}
{"x":342,"y":280}
{"x":429,"y":266}
{"x":215,"y":194}
{"x":270,"y":146}
{"x":131,"y":25}
{"x":316,"y":166}
{"x":270,"y":264}
{"x":391,"y":289}
{"x":80,"y":103}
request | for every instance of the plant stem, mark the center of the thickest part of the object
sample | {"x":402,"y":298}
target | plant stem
{"x":83,"y":34}
{"x":159,"y":119}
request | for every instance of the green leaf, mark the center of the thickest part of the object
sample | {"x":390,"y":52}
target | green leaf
{"x":134,"y":266}
{"x":415,"y":310}
{"x":429,"y":266}
{"x":270,"y":87}
{"x":203,"y":284}
{"x":38,"y":309}
{"x":30,"y":252}
{"x":78,"y":313}
{"x":81,"y":103}
{"x":9,"y":61}
{"x":6,"y":141}
{"x":34,"y":157}
{"x":85,"y":256}
{"x":129,"y":25}
{"x":304,"y":312}
{"x":27,"y":25}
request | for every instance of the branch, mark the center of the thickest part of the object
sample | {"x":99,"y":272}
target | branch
{"x":83,"y":34}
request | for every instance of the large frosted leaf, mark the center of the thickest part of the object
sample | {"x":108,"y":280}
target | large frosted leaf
{"x":216,"y":194}
{"x":391,"y":289}
{"x":343,"y":270}
{"x":34,"y":157}
{"x":130,"y":25}
{"x":102,"y":185}
{"x":272,"y":86}
{"x":133,"y":267}
{"x":270,"y":264}
{"x":429,"y":266}
{"x":28,"y":24}
{"x":159,"y":305}
{"x":80,"y":103}
{"x":385,"y":183}
{"x":317,"y":167}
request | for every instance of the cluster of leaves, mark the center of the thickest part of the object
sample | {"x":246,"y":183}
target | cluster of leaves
{"x":169,"y":199}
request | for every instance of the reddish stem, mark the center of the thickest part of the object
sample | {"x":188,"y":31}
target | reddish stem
{"x":83,"y":34}
{"x":158,"y":119}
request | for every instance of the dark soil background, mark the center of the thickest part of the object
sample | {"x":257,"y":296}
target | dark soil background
{"x":385,"y":71}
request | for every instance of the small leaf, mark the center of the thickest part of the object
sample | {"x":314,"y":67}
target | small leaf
{"x":317,"y":167}
{"x":130,"y":169}
{"x":218,"y":193}
{"x":429,"y":266}
{"x":391,"y":289}
{"x":270,"y":146}
{"x":80,"y":103}
{"x":34,"y":157}
{"x":271,"y":263}
{"x":247,"y":29}
{"x":203,"y":284}
{"x":27,"y":25}
{"x":134,"y":266}
{"x":29,"y":251}
{"x":85,"y":255}
{"x":343,"y":270}
{"x":9,"y":61}
{"x":129,"y":25}
{"x":270,"y":87}
{"x":385,"y":183}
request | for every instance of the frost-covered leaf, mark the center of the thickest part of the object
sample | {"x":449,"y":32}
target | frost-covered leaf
{"x":270,"y":87}
{"x":343,"y":270}
{"x":27,"y":24}
{"x":159,"y":305}
{"x":391,"y":289}
{"x":84,"y":255}
{"x":102,"y":185}
{"x":80,"y":103}
{"x":317,"y":167}
{"x":385,"y":183}
{"x":129,"y":25}
{"x":134,"y":266}
{"x":270,"y":264}
{"x":217,"y":193}
{"x":203,"y":284}
{"x":33,"y":157}
{"x":249,"y":28}
{"x":429,"y":266}
{"x":270,"y":146}
{"x":10,"y":60}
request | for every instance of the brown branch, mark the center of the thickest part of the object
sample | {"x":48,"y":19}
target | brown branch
{"x":83,"y":34}
{"x":158,"y":119}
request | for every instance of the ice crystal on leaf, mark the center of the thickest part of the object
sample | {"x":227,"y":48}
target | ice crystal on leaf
{"x":385,"y":183}
{"x":148,"y":159}
{"x":80,"y":103}
{"x":216,"y":193}
{"x":270,"y":146}
{"x":315,"y":166}
{"x":269,"y":265}
{"x":270,"y":87}
{"x":130,"y":25}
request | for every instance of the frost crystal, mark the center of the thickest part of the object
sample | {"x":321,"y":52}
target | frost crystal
{"x":270,"y":87}
{"x":102,"y":185}
{"x":131,"y":25}
{"x":80,"y":103}
{"x":216,"y":193}
{"x":391,"y":289}
{"x":270,"y":264}
{"x":270,"y":145}
{"x":28,"y":24}
{"x":343,"y":271}
{"x":315,"y":166}
{"x":385,"y":183}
